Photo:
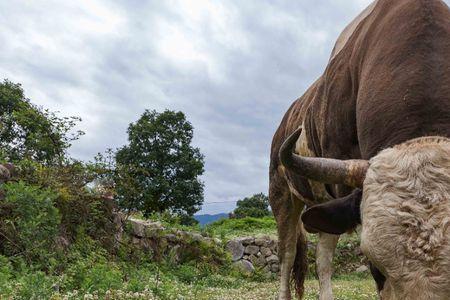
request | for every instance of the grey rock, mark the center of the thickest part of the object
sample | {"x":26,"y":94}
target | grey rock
{"x":252,"y":258}
{"x":245,"y":266}
{"x":275,"y":268}
{"x":260,"y":261}
{"x":272,"y":259}
{"x":236,"y":249}
{"x":266,"y":251}
{"x":362,"y":269}
{"x":138,"y":228}
{"x":246,"y":240}
{"x":272,"y":245}
{"x":251,"y":249}
{"x":261,"y":241}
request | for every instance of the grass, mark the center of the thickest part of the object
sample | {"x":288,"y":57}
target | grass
{"x":230,"y":228}
{"x":343,"y":289}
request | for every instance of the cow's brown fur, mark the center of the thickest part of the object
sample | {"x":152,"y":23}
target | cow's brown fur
{"x":390,"y":83}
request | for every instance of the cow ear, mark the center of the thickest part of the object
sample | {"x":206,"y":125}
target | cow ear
{"x":336,"y":216}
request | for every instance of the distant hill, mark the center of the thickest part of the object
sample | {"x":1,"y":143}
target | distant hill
{"x":206,"y":219}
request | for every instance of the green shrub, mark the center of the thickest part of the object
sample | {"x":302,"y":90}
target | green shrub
{"x":33,"y":285}
{"x":79,"y":205}
{"x":29,"y":223}
{"x":242,"y":227}
{"x":5,"y":276}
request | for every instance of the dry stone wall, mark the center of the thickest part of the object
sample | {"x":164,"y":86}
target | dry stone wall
{"x":249,"y":253}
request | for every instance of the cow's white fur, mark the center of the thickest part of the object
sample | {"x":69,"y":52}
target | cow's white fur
{"x":406,"y":218}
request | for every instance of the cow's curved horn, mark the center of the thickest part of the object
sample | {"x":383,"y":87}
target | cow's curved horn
{"x":325,"y":170}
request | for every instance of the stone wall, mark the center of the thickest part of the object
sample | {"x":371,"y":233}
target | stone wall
{"x":249,"y":253}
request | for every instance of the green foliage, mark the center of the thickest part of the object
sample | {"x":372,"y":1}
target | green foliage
{"x":28,"y":131}
{"x":229,"y":228}
{"x":256,"y":206}
{"x":169,"y":219}
{"x":6,"y":274}
{"x":29,"y":222}
{"x":78,"y":205}
{"x":158,"y":170}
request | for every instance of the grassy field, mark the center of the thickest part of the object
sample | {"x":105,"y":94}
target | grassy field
{"x":344,"y":289}
{"x":359,"y":289}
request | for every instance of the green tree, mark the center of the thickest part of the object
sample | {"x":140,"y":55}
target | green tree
{"x":28,"y":131}
{"x":256,"y":206}
{"x":159,"y":169}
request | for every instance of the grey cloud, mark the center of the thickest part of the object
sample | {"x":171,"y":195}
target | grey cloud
{"x":233,"y":67}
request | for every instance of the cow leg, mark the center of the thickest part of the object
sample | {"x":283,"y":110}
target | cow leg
{"x":288,"y":230}
{"x":286,"y":209}
{"x":324,"y":267}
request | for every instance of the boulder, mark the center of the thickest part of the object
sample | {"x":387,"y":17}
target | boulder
{"x":245,"y":266}
{"x":246,"y":240}
{"x":272,"y":259}
{"x":251,"y":249}
{"x":260,"y":261}
{"x":261,"y":241}
{"x":236,"y":249}
{"x":275,"y":268}
{"x":138,"y":228}
{"x":266,"y":251}
{"x":252,"y":258}
{"x":272,"y":245}
{"x":362,"y":269}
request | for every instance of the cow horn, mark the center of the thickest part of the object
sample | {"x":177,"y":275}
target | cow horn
{"x":325,"y":170}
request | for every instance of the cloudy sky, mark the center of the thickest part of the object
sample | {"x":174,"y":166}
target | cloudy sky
{"x":233,"y":67}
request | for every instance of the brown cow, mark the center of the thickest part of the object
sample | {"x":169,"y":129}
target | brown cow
{"x":385,"y":91}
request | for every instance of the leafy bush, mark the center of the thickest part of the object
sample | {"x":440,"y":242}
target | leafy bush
{"x":242,"y":227}
{"x":34,"y":285}
{"x":79,"y":205}
{"x":5,"y":275}
{"x":29,"y":223}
